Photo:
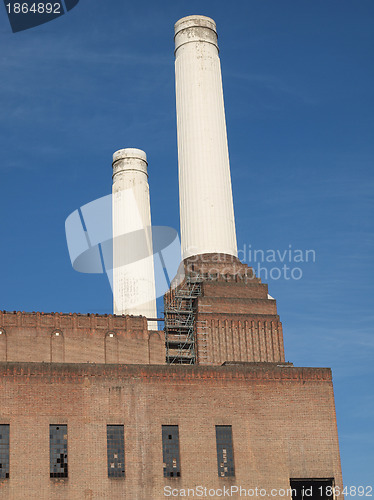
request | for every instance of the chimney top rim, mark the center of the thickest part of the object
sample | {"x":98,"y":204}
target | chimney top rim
{"x":129,"y":153}
{"x":195,"y":21}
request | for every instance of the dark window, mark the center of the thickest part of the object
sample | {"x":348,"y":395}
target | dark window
{"x":4,"y":451}
{"x":58,"y":449}
{"x":170,"y":451}
{"x":116,"y":450}
{"x":225,"y":454}
{"x":312,"y":489}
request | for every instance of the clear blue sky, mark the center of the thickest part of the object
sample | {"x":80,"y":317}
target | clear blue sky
{"x":298,"y":82}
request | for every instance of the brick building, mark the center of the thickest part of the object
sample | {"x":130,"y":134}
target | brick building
{"x":103,"y":407}
{"x":85,"y":374}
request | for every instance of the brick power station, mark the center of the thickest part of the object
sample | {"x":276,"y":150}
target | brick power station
{"x":109,"y":407}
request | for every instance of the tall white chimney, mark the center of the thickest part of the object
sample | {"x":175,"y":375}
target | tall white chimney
{"x":206,"y":205}
{"x":133,"y":267}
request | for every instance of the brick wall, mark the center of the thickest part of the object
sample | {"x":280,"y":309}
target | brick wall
{"x":75,"y":338}
{"x":235,"y":319}
{"x":283,"y":423}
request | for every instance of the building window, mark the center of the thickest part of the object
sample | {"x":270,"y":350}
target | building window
{"x":116,"y":450}
{"x":225,"y":454}
{"x":4,"y":451}
{"x":170,"y":451}
{"x":58,"y":448}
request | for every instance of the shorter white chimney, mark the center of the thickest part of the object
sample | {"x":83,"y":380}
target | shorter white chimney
{"x":133,"y":268}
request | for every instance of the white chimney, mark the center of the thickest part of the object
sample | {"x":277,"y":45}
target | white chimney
{"x":133,"y":267}
{"x":206,"y":205}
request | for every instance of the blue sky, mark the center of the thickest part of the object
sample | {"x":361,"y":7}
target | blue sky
{"x":298,"y":80}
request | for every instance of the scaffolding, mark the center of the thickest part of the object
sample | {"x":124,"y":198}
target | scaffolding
{"x":180,"y":322}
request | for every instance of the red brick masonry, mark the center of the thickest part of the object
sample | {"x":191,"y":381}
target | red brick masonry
{"x":282,"y":417}
{"x":236,"y":319}
{"x":89,"y":338}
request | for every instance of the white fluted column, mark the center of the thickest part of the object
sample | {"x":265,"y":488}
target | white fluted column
{"x":133,"y":267}
{"x":206,"y":204}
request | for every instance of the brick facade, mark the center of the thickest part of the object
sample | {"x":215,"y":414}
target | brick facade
{"x":235,"y":318}
{"x":77,"y":338}
{"x":90,"y":371}
{"x":282,"y":417}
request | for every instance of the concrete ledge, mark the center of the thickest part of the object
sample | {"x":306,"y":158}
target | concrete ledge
{"x":242,"y":371}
